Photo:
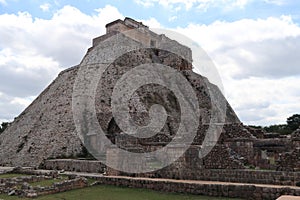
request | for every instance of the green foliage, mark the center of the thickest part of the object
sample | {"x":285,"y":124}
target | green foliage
{"x":3,"y":126}
{"x":293,"y":123}
{"x":11,"y":175}
{"x":281,"y":128}
{"x":254,"y":126}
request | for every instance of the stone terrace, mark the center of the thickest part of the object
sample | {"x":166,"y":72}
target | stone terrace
{"x":209,"y":188}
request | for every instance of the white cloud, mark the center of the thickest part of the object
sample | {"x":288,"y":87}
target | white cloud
{"x":276,"y":2}
{"x":25,"y":73}
{"x":264,"y":101}
{"x":33,"y":51}
{"x":9,"y":106}
{"x":241,"y":3}
{"x":258,"y":63}
{"x":22,"y":101}
{"x":3,"y":2}
{"x":222,"y":34}
{"x":144,"y":3}
{"x":172,"y":18}
{"x":200,"y":4}
{"x":64,"y":38}
{"x":45,"y":7}
{"x":152,"y":23}
{"x":107,"y":14}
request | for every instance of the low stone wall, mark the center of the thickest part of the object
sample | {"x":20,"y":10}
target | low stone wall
{"x":241,"y":176}
{"x":92,"y":166}
{"x":7,"y":185}
{"x":55,"y":188}
{"x":20,"y":185}
{"x":21,"y":179}
{"x":225,"y":175}
{"x":290,"y":160}
{"x":31,"y":171}
{"x":218,"y":189}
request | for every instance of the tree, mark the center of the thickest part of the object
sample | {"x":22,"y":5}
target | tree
{"x":3,"y":126}
{"x":280,"y":128}
{"x":293,"y":122}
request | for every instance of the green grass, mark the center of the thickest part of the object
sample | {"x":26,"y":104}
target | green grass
{"x":12,"y":175}
{"x":91,"y":180}
{"x":49,"y":182}
{"x":105,"y":192}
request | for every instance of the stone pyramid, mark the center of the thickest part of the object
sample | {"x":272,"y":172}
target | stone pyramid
{"x":48,"y":129}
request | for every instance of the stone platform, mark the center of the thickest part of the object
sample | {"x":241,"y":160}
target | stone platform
{"x":287,"y":197}
{"x":197,"y":187}
{"x":207,"y":188}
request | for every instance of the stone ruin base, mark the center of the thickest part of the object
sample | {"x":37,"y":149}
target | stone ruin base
{"x":76,"y":183}
{"x":217,"y":189}
{"x":20,"y":185}
{"x":250,"y":191}
{"x":225,"y":175}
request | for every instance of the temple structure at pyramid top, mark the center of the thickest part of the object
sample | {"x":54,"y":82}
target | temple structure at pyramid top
{"x":134,"y":29}
{"x":142,"y":34}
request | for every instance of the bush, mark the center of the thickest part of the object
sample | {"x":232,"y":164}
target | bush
{"x":3,"y":126}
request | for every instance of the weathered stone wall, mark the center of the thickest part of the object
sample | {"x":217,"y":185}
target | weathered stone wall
{"x":290,"y":161}
{"x":19,"y":180}
{"x":20,"y":185}
{"x":249,"y":176}
{"x":246,"y":191}
{"x":184,"y":172}
{"x":296,"y":133}
{"x":75,"y":165}
{"x":257,"y":132}
{"x":267,"y":152}
{"x":243,"y":147}
{"x":189,"y":162}
{"x":101,"y":38}
{"x":63,"y":186}
{"x":45,"y":128}
{"x":227,"y":175}
{"x":31,"y":171}
{"x":117,"y":27}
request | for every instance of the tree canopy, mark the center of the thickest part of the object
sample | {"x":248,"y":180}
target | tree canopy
{"x":292,"y":124}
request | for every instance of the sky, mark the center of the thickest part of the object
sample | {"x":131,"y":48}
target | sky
{"x":254,"y":45}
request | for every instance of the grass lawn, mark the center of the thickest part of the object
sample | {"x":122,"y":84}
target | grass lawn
{"x":12,"y":175}
{"x":105,"y":192}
